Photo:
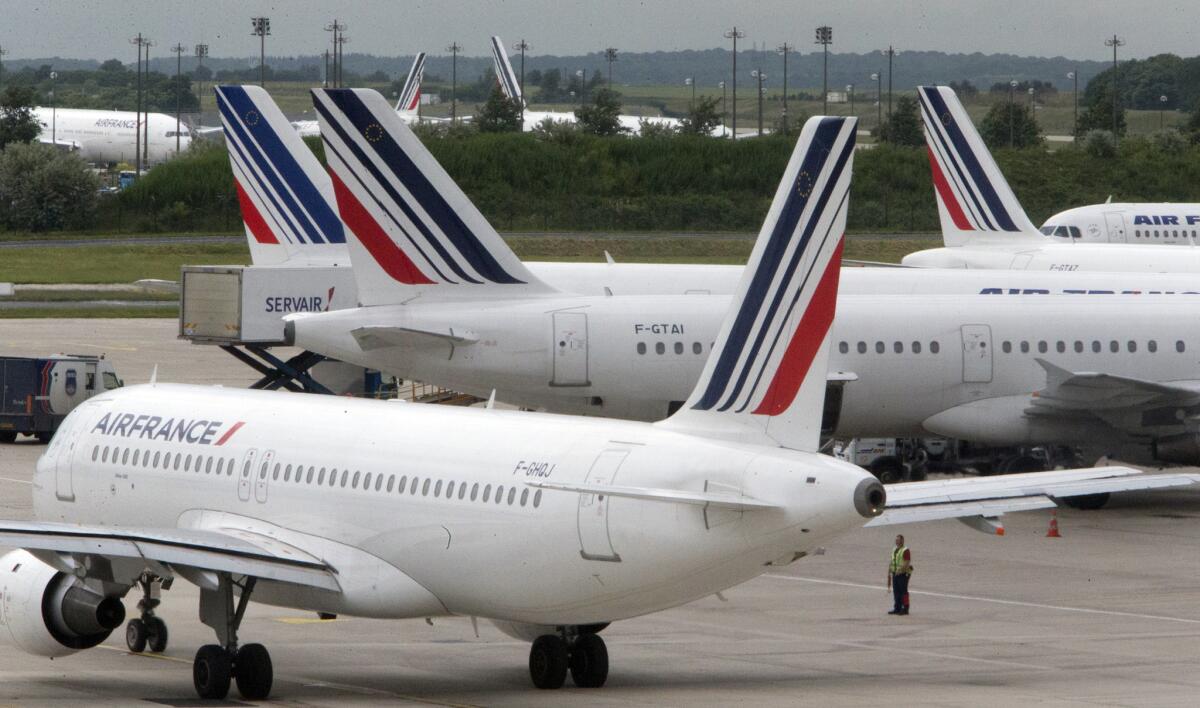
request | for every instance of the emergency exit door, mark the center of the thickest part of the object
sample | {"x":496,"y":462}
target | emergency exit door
{"x":1116,"y":226}
{"x":570,"y":349}
{"x":244,"y":475}
{"x":595,"y":543}
{"x":977,"y":353}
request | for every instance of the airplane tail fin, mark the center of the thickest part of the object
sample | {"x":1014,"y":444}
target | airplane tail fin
{"x":413,"y":231}
{"x":509,"y":84}
{"x":410,"y":95}
{"x":975,"y":202}
{"x":285,"y":198}
{"x":765,"y":378}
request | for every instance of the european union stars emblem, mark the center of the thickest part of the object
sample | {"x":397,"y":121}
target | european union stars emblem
{"x":373,"y":133}
{"x":804,"y":184}
{"x":251,"y":117}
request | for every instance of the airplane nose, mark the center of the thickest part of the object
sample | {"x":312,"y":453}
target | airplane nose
{"x":870,"y":498}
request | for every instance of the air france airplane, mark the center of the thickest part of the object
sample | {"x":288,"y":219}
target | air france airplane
{"x":408,"y":105}
{"x":550,"y":526}
{"x":950,"y":364}
{"x":984,"y":226}
{"x":109,"y":136}
{"x":1143,"y":222}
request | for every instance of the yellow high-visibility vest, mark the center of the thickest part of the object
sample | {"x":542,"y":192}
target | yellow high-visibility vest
{"x":897,"y":559}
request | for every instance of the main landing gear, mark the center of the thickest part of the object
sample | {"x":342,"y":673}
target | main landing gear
{"x":578,"y":649}
{"x":217,"y":665}
{"x":148,"y":631}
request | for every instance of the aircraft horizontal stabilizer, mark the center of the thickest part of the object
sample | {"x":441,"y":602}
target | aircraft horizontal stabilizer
{"x":382,"y":336}
{"x":203,"y":550}
{"x":871,"y":264}
{"x":912,"y":502}
{"x":717,"y":500}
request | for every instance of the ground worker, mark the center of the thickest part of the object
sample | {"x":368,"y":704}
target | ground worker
{"x":899,"y":571}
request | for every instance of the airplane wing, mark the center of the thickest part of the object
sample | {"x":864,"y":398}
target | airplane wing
{"x":382,"y":336}
{"x":182,"y":549}
{"x":910,"y":502}
{"x":1072,"y":393}
{"x":67,"y":145}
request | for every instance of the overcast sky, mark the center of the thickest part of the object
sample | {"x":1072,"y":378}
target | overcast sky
{"x":99,"y":29}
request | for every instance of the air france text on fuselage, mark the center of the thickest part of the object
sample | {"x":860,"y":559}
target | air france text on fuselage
{"x":1080,"y":291}
{"x":142,"y":426}
{"x":1165,"y":220}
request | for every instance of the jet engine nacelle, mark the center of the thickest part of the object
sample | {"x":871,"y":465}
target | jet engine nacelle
{"x":49,"y":613}
{"x":1183,"y":449}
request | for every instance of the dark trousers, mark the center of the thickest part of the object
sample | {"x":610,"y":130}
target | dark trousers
{"x":900,"y":592}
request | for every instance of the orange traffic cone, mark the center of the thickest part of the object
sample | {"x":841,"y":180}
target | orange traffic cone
{"x":1053,"y":532}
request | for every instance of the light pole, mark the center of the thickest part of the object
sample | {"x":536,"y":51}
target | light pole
{"x":336,"y":28}
{"x":454,"y":49}
{"x":201,"y":51}
{"x":723,"y":123}
{"x":1162,"y":104}
{"x":691,"y":81}
{"x":262,"y":28}
{"x":850,"y":93}
{"x":890,"y":53}
{"x":1012,"y":88}
{"x":757,"y":74}
{"x":785,"y":49}
{"x":3,"y":51}
{"x":735,"y":34}
{"x":179,"y":49}
{"x":579,"y":74}
{"x":146,"y":123}
{"x":877,"y":77}
{"x":825,"y":38}
{"x":53,"y":111}
{"x":522,"y":46}
{"x":1114,"y":43}
{"x":340,"y":51}
{"x":137,"y":123}
{"x":1074,"y":76}
{"x":610,"y":55}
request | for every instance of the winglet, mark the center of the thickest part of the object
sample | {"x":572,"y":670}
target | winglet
{"x":975,"y":202}
{"x":765,"y":379}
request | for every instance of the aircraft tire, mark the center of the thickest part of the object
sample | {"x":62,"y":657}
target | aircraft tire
{"x":589,"y":661}
{"x":548,"y":661}
{"x":156,"y":631}
{"x":135,"y":636}
{"x":254,"y":672}
{"x":211,"y":672}
{"x":8,"y":436}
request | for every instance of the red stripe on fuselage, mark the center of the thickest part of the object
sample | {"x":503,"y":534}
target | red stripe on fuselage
{"x":947,"y":194}
{"x":372,"y":236}
{"x":229,"y":433}
{"x":254,"y":221}
{"x":806,"y":340}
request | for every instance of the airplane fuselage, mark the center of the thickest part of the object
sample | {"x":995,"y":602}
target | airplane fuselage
{"x":1069,"y":257}
{"x":1147,"y":223}
{"x":109,"y":136}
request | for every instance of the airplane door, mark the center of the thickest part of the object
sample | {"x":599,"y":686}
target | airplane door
{"x":594,"y":541}
{"x":244,"y":475}
{"x":570,"y":349}
{"x":1116,"y":226}
{"x":264,"y":476}
{"x":59,"y":457}
{"x":977,"y":353}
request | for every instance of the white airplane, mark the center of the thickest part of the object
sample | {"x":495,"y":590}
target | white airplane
{"x":109,"y":136}
{"x":445,"y":301}
{"x":983,"y":224}
{"x":510,"y":86}
{"x":550,"y":526}
{"x":408,"y":105}
{"x":1149,"y":223}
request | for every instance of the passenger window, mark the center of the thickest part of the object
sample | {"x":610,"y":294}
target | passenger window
{"x":1179,"y":346}
{"x":220,"y":465}
{"x":136,"y":455}
{"x":311,"y":472}
{"x":898,"y":347}
{"x":95,"y":452}
{"x":416,"y":482}
{"x":862,"y":347}
{"x":287,"y":473}
{"x":321,"y":476}
{"x":487,"y":492}
{"x":104,"y":457}
{"x":1061,"y":346}
{"x":916,"y":347}
{"x":450,"y":490}
{"x":187,"y":463}
{"x":229,"y":467}
{"x":345,"y":476}
{"x":524,"y":496}
{"x":1114,"y":346}
{"x":660,"y":348}
{"x":1078,"y":347}
{"x":437,"y":489}
{"x":537,"y":499}
{"x":678,"y":347}
{"x":844,"y":347}
{"x":1024,"y":347}
{"x":366,"y":480}
{"x":697,"y":347}
{"x":499,"y":493}
{"x":403,"y":483}
{"x":156,"y":456}
{"x":1042,"y":347}
{"x":641,"y":347}
{"x":125,"y":457}
{"x":1006,"y":347}
{"x":512,"y":495}
{"x":462,"y":490}
{"x":1095,"y":346}
{"x":934,"y":347}
{"x":391,"y":482}
{"x":474,"y":490}
{"x":425,"y":488}
{"x":1132,"y":346}
{"x":208,"y":465}
{"x":178,"y":457}
{"x":379,"y":483}
{"x":879,"y":347}
{"x":1152,"y":346}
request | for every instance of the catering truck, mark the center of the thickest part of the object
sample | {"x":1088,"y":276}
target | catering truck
{"x":36,"y":394}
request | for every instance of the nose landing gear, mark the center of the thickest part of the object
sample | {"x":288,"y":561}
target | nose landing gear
{"x":148,"y":631}
{"x":576,"y":649}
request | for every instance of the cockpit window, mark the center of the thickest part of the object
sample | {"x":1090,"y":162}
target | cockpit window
{"x":1075,"y":232}
{"x":1047,"y":230}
